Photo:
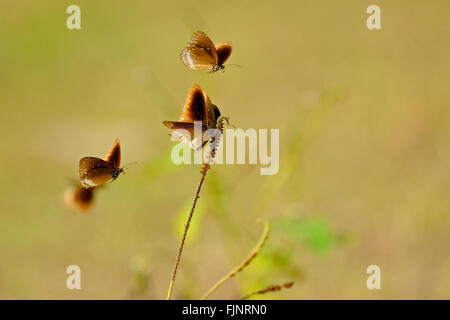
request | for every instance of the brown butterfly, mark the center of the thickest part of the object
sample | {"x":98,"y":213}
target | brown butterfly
{"x":201,"y":54}
{"x":78,"y":198}
{"x":198,"y":107}
{"x":95,"y":171}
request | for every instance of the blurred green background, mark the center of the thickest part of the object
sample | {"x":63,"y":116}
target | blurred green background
{"x":364,"y":131}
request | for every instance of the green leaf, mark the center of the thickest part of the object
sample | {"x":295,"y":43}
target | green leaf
{"x":315,"y":232}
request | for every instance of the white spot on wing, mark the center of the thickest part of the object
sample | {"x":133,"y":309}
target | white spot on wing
{"x":87,"y":183}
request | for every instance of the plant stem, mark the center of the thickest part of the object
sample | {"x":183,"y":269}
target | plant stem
{"x":206,"y":166}
{"x":186,"y":228}
{"x":243,"y":264}
{"x":272,"y":288}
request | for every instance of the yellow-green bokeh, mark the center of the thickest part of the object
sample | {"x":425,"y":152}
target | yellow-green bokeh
{"x":364,"y":148}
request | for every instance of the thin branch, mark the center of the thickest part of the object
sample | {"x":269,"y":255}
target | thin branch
{"x":186,"y":228}
{"x":243,"y":264}
{"x":272,"y":288}
{"x":206,"y":166}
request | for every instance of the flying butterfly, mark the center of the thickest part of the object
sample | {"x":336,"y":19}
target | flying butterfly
{"x":198,"y":107}
{"x":202,"y":54}
{"x":78,"y":198}
{"x":95,"y":171}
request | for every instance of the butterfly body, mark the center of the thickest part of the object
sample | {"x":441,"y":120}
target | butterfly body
{"x":95,"y":171}
{"x":197,"y":108}
{"x":202,"y":54}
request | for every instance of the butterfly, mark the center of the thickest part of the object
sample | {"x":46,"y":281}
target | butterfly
{"x":78,"y":198}
{"x":198,"y":107}
{"x":201,"y":54}
{"x":95,"y":171}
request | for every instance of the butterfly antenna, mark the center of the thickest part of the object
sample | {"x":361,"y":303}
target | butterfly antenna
{"x":227,"y":120}
{"x":234,"y":65}
{"x":129,"y":164}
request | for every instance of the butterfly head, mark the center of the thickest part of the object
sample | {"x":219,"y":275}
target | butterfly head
{"x":217,"y":67}
{"x":116,"y":172}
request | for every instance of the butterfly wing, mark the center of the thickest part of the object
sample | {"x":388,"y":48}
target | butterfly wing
{"x":82,"y":198}
{"x":224,"y":50}
{"x":184,"y":132}
{"x":217,"y":113}
{"x":113,"y":155}
{"x":200,"y":53}
{"x":198,"y":107}
{"x":94,"y":172}
{"x":78,"y":198}
{"x":210,"y":118}
{"x":194,"y":107}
